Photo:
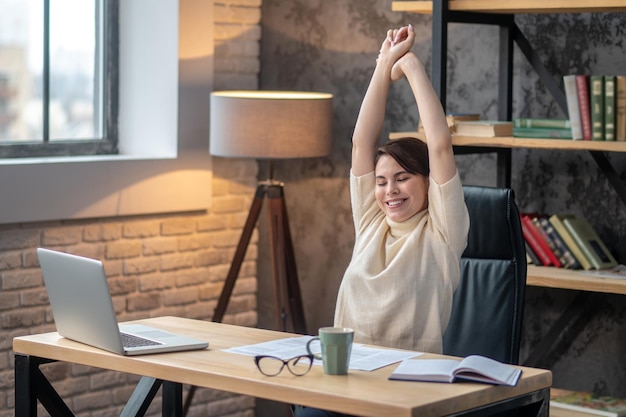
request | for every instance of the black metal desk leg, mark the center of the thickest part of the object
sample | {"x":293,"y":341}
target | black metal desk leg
{"x":172,"y":399}
{"x":534,"y":404}
{"x":25,"y":387}
{"x":31,"y":385}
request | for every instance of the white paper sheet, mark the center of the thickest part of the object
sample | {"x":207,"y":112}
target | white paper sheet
{"x":363,"y":358}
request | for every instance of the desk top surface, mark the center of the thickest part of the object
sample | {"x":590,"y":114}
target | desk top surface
{"x":360,"y":393}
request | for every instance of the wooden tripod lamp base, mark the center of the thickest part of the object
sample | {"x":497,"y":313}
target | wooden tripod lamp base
{"x":288,"y":308}
{"x":289,"y":312}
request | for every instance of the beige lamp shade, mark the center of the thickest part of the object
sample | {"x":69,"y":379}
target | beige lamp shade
{"x":271,"y":124}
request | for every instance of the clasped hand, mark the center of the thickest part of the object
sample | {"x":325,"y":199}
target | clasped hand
{"x":397,"y":43}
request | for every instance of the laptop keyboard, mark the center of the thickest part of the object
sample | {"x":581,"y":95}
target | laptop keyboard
{"x":130,"y":341}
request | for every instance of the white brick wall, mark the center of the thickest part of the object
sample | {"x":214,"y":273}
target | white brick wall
{"x":172,"y":264}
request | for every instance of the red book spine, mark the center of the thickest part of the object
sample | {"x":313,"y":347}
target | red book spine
{"x":554,"y":256}
{"x":582,"y":90}
{"x":536,"y":242}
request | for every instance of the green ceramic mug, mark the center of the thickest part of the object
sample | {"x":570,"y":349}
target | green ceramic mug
{"x":336,"y":345}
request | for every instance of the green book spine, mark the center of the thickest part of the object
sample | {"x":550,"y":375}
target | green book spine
{"x":544,"y":123}
{"x":542,"y":132}
{"x":609,"y":107}
{"x":591,"y":245}
{"x":597,"y":106}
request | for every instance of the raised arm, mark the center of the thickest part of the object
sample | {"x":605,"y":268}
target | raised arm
{"x":369,"y":123}
{"x":438,"y":139}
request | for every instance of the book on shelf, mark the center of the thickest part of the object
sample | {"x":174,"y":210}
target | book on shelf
{"x":484,"y":128}
{"x":573,"y":111}
{"x":582,"y":90}
{"x":536,"y":242}
{"x":609,"y":107}
{"x":596,"y":105}
{"x":589,"y":242}
{"x":554,"y":253}
{"x":542,"y":128}
{"x":620,"y":108}
{"x":474,"y":368}
{"x":531,"y":256}
{"x":601,"y":101}
{"x":557,"y":222}
{"x":558,"y":245}
{"x":452,"y":119}
{"x":587,"y":404}
{"x":530,"y":123}
{"x":542,"y":133}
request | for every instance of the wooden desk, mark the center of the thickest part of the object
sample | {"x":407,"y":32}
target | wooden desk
{"x":359,"y":393}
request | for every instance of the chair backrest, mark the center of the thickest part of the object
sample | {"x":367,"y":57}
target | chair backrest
{"x":488,"y":305}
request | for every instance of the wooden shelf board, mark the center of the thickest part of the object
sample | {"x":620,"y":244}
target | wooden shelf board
{"x":515,"y":6}
{"x":568,"y":279}
{"x":511,"y":142}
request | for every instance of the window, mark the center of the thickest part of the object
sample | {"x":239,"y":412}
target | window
{"x":58,"y":77}
{"x":163,"y":165}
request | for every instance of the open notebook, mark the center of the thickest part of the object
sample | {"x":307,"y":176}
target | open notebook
{"x":83,"y":309}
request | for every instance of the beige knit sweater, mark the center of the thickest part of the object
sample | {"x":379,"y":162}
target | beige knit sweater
{"x":397,"y":290}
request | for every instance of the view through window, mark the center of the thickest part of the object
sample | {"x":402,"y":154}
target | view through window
{"x":57,"y":77}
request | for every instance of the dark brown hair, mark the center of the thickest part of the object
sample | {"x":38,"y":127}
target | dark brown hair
{"x":411,"y":154}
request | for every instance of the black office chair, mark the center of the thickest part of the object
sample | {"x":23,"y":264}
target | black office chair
{"x":488,"y":305}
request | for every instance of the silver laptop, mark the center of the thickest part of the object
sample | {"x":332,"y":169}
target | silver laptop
{"x":83,"y":309}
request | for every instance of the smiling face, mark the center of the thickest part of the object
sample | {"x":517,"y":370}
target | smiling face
{"x":399,"y":195}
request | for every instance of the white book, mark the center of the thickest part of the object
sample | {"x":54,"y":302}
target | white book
{"x":472,"y":368}
{"x":573,"y":110}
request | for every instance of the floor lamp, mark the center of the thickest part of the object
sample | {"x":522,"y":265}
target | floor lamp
{"x":270,"y":125}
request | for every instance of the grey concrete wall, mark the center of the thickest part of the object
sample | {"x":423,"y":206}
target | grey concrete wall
{"x":331,"y":46}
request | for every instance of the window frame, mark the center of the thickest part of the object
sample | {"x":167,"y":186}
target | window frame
{"x":108,"y":144}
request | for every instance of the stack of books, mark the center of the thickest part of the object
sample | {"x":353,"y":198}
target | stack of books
{"x":596,"y":106}
{"x":564,"y":241}
{"x":484,"y":128}
{"x":542,"y":128}
{"x":470,"y":124}
{"x":453,"y":119}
